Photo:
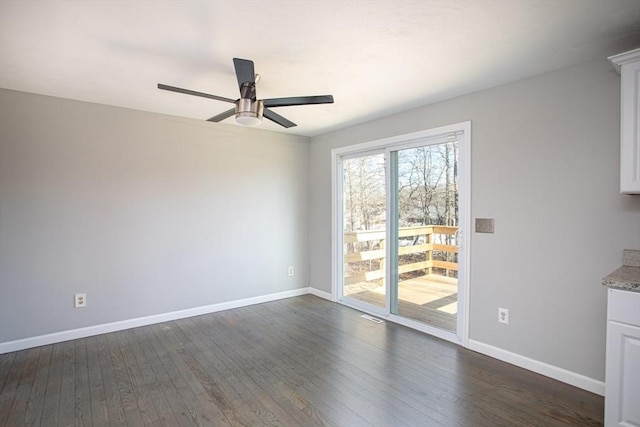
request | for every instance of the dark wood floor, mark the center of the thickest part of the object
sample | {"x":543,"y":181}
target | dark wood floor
{"x":301,"y":361}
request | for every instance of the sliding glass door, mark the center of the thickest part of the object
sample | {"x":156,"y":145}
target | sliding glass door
{"x":399,"y":241}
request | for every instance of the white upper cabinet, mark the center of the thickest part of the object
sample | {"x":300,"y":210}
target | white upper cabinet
{"x":629,"y":65}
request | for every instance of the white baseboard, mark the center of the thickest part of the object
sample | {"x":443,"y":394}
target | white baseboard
{"x":321,"y":294}
{"x":577,"y":380}
{"x":73,"y":334}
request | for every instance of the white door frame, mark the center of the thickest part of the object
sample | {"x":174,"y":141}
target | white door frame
{"x":464,"y":199}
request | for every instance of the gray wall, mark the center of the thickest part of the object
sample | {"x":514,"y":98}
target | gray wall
{"x":545,"y":165}
{"x":145,"y":213}
{"x":149,"y":214}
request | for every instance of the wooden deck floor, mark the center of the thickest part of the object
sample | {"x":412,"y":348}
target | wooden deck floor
{"x":301,"y":361}
{"x":428,"y":300}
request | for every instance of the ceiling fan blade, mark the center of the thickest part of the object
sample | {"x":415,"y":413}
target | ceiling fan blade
{"x":298,"y":100}
{"x":220,"y":117}
{"x":244,"y":71}
{"x":193,"y":92}
{"x":277,"y":118}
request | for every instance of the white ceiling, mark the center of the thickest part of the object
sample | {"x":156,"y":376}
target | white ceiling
{"x":375,"y":57}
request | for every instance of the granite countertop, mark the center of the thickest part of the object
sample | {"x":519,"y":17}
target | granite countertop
{"x":627,"y":277}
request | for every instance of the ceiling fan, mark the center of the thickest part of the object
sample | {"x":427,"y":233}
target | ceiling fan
{"x":249,"y":110}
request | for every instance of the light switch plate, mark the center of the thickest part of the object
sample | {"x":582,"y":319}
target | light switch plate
{"x":484,"y":225}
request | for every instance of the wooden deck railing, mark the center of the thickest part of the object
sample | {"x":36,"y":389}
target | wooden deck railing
{"x":433,"y":236}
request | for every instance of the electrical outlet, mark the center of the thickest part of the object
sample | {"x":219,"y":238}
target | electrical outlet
{"x":290,"y":271}
{"x":503,"y":315}
{"x":80,"y":300}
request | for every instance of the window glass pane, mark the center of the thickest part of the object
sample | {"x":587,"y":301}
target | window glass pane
{"x":364,"y":222}
{"x":427,"y":206}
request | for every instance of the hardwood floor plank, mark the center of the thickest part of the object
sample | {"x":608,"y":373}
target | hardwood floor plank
{"x":301,"y":361}
{"x":504,"y":408}
{"x":306,"y":383}
{"x":164,"y":370}
{"x":10,"y":386}
{"x":82,"y":389}
{"x":67,"y":413}
{"x":144,"y":355}
{"x":51,"y":404}
{"x":264,"y":378}
{"x":266,"y":409}
{"x":114,"y":406}
{"x":19,"y":407}
{"x":218,"y":388}
{"x":140,"y":377}
{"x":39,"y":389}
{"x":369,"y":384}
{"x":314,"y":359}
{"x":480,"y":402}
{"x":6,"y":360}
{"x":128,"y":399}
{"x":200,"y":406}
{"x":223,"y":344}
{"x":98,"y":399}
{"x":220,"y":385}
{"x":18,"y":410}
{"x":367,"y":364}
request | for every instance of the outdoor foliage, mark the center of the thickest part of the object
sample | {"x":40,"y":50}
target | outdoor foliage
{"x":427,"y":195}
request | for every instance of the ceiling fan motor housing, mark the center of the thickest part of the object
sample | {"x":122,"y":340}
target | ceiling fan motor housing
{"x":249,"y":112}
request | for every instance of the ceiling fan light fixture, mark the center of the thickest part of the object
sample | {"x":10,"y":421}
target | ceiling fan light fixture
{"x":249,"y":112}
{"x":245,"y":119}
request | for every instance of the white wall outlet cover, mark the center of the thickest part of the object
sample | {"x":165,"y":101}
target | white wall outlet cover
{"x":503,"y":315}
{"x":79,"y":300}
